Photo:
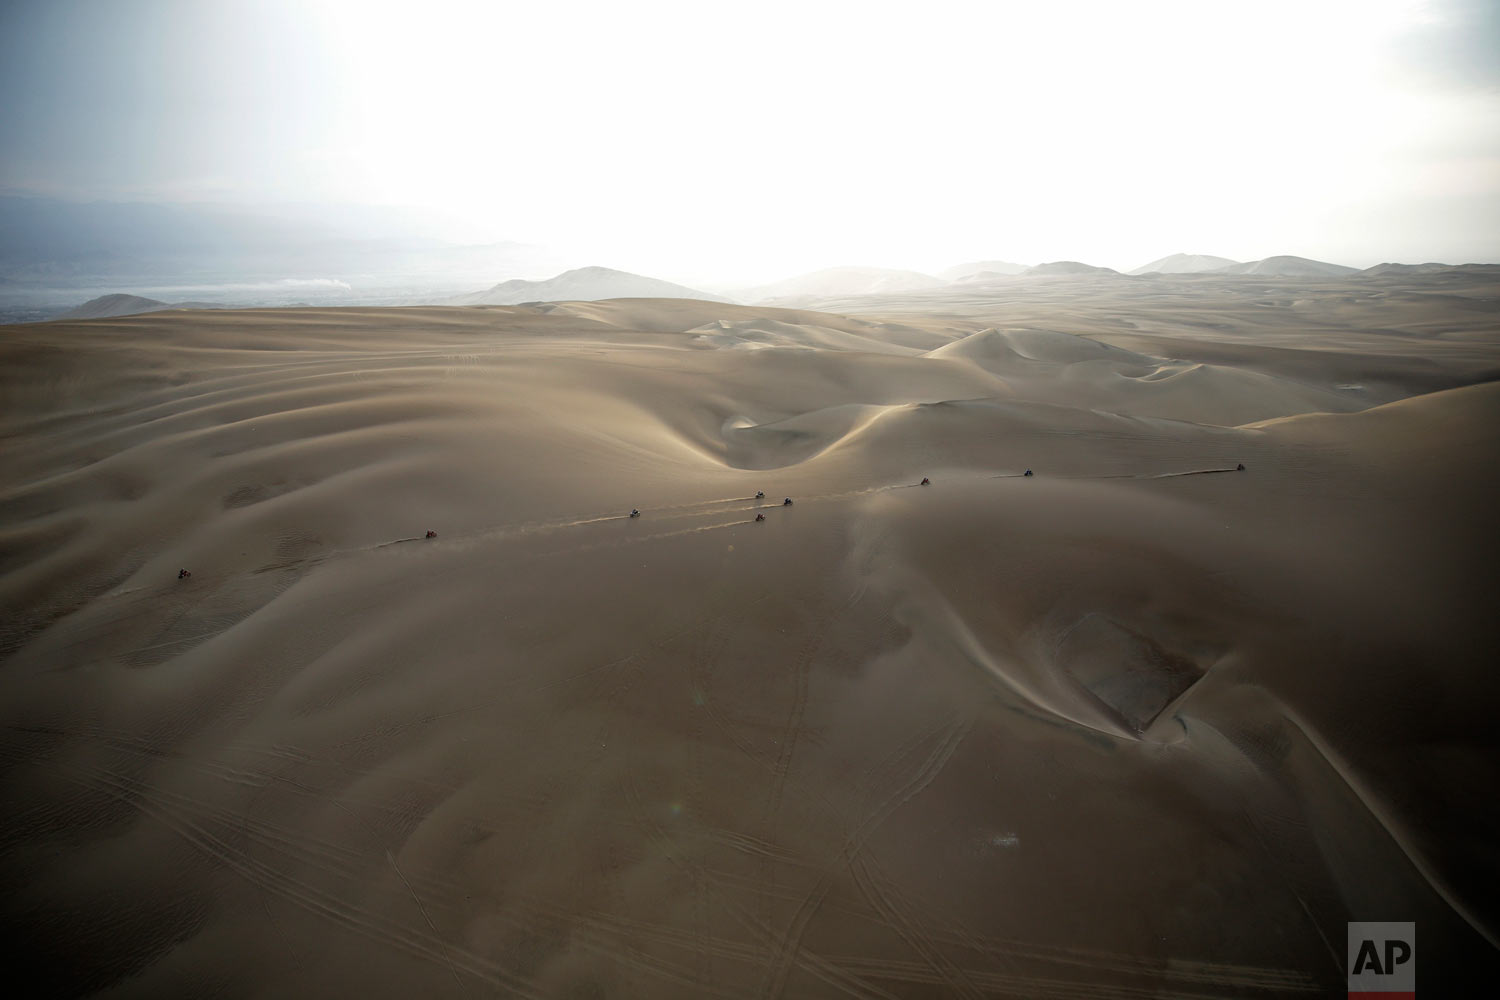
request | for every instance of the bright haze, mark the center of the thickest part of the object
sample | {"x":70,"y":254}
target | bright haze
{"x":717,"y":144}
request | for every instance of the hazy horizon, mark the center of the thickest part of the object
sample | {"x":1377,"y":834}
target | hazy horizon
{"x":717,"y":149}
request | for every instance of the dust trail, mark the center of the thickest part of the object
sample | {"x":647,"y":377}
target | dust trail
{"x":126,"y":602}
{"x":707,"y":507}
{"x":398,"y":541}
{"x":1121,"y":475}
{"x":1193,"y":472}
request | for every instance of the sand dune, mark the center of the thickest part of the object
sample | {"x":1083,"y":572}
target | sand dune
{"x":760,"y":334}
{"x":1069,"y":267}
{"x":959,"y":272}
{"x":584,"y":283}
{"x":1185,"y":263}
{"x":841,"y":281}
{"x":1289,"y":266}
{"x":1142,"y":723}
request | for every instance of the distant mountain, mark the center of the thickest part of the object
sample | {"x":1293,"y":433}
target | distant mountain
{"x":1289,"y":267}
{"x":118,"y":304}
{"x":980,"y":277}
{"x":584,"y":284}
{"x":1390,"y":268}
{"x":843,"y":282}
{"x":121,"y":304}
{"x":997,"y":268}
{"x":1185,"y":263}
{"x":1066,"y":267}
{"x":1447,"y":270}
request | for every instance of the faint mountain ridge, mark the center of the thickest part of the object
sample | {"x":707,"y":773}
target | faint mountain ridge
{"x":1431,"y":267}
{"x":982,"y":277}
{"x":117,"y":304}
{"x":842,"y":282}
{"x":583,"y":284}
{"x":1063,"y":267}
{"x":123,"y":304}
{"x":1288,"y":266}
{"x":959,"y":272}
{"x":1185,"y":263}
{"x":1389,"y":267}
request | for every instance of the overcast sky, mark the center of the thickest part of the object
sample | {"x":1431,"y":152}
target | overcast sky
{"x":714,"y":141}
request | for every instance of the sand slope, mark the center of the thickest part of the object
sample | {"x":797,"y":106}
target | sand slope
{"x":1140,"y":724}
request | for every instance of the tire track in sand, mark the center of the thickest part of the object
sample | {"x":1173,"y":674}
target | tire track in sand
{"x":790,"y":942}
{"x":884,"y":896}
{"x":818,"y":966}
{"x":786,"y":748}
{"x":412,"y":941}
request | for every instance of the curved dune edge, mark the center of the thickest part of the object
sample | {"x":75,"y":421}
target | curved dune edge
{"x":1468,"y":401}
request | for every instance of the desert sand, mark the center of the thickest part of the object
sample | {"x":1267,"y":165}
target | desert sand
{"x":1140,"y":724}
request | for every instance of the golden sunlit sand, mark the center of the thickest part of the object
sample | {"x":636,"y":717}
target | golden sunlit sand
{"x":1142,"y":723}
